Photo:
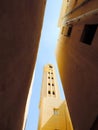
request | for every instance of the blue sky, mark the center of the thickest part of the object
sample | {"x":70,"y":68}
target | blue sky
{"x":46,"y":54}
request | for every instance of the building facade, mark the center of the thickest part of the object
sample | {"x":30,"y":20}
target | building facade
{"x":54,"y":114}
{"x":77,"y":59}
{"x":20,"y":29}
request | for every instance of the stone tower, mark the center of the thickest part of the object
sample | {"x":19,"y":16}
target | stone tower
{"x":53,"y":111}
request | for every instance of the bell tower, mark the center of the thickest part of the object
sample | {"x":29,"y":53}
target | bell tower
{"x":53,"y":110}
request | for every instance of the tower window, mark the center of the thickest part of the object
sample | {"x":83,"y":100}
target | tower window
{"x":88,"y":33}
{"x":49,"y":92}
{"x":56,"y":111}
{"x":50,"y":66}
{"x":52,"y":78}
{"x":52,"y":84}
{"x":48,"y":77}
{"x":53,"y":93}
{"x":49,"y":84}
{"x":51,"y":72}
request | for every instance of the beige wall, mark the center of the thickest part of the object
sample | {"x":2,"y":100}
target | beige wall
{"x":51,"y":121}
{"x":47,"y":111}
{"x":77,"y":63}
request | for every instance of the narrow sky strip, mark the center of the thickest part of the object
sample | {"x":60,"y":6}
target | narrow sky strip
{"x":46,"y":55}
